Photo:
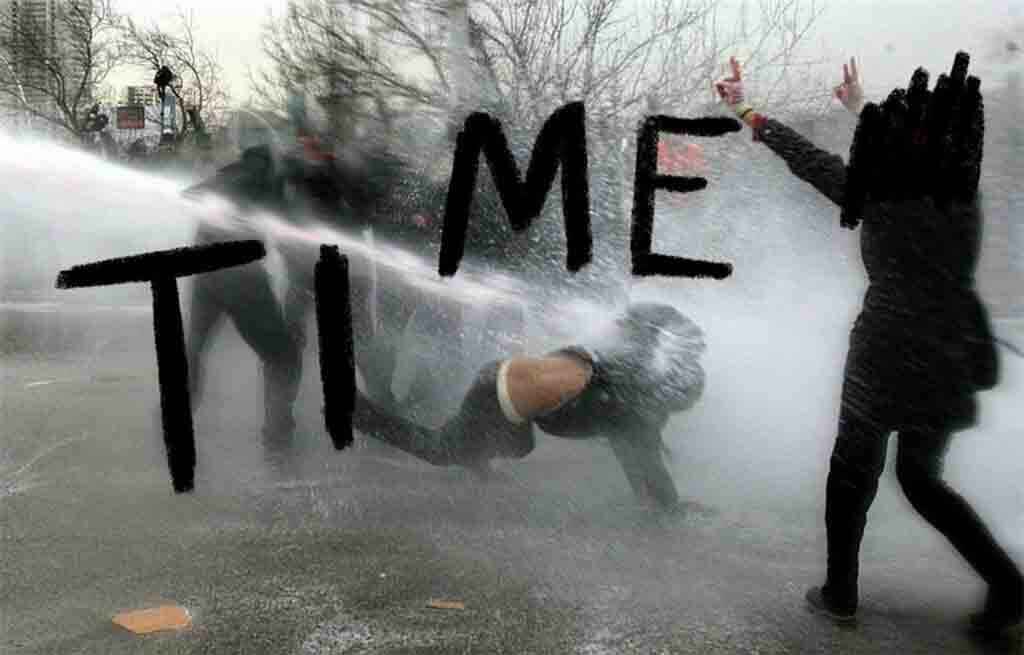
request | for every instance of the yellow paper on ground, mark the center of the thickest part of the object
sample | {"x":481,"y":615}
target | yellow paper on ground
{"x":154,"y":619}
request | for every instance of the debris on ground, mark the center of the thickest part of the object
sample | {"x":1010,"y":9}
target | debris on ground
{"x":154,"y":619}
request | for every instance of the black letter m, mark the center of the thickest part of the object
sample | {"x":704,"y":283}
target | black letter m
{"x":563,"y":140}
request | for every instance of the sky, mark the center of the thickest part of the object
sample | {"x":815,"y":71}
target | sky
{"x":231,"y":28}
{"x":889,"y":37}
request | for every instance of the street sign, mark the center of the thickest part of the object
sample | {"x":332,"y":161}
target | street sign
{"x":131,"y":117}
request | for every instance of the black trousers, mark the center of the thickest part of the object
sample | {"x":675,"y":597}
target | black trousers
{"x":245,"y":295}
{"x":856,"y":465}
{"x":276,"y":333}
{"x":480,"y":432}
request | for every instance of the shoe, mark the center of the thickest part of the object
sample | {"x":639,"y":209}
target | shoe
{"x":1003,"y":614}
{"x":989,"y":626}
{"x":819,"y":604}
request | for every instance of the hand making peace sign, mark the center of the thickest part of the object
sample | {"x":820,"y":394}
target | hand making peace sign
{"x":850,"y":92}
{"x":730,"y":89}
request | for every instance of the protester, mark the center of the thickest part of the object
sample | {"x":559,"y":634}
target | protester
{"x":624,"y":387}
{"x":245,"y":295}
{"x":307,"y":185}
{"x":922,"y":345}
{"x":299,"y":186}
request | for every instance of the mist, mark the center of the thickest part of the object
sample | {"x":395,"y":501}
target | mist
{"x":559,"y":534}
{"x":776,"y":330}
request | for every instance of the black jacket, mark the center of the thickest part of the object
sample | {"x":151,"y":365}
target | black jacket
{"x":923,"y":340}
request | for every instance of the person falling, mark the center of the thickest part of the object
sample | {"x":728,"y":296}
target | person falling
{"x":626,"y":387}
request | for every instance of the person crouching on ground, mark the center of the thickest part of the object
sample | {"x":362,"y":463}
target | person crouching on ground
{"x":625,"y":388}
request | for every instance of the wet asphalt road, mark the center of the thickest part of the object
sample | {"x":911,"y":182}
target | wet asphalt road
{"x":341,"y":552}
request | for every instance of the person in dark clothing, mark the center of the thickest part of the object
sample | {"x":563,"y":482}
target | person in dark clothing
{"x":245,"y":295}
{"x":922,"y":346}
{"x":626,"y":388}
{"x":294,"y":186}
{"x":95,"y":120}
{"x":163,"y":78}
{"x":362,"y":189}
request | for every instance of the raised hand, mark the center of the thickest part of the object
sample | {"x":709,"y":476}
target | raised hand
{"x":730,"y":89}
{"x":850,"y":92}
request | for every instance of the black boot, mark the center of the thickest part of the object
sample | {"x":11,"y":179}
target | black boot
{"x":846,"y":506}
{"x":920,"y":474}
{"x":1003,"y":612}
{"x":820,"y":603}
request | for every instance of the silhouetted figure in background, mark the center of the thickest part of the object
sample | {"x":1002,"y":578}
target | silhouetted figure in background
{"x":95,"y":120}
{"x":306,"y":184}
{"x":163,"y":78}
{"x":245,"y":295}
{"x":922,"y":345}
{"x":93,"y":125}
{"x":297,"y":186}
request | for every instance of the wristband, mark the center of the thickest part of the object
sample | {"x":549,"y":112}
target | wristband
{"x":756,"y":122}
{"x":508,"y":408}
{"x":742,"y":109}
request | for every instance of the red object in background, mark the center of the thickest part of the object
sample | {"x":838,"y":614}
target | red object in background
{"x":684,"y":159}
{"x":680,"y":159}
{"x":312,"y":150}
{"x":131,"y":117}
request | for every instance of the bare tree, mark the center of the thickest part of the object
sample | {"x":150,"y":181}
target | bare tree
{"x":622,"y":58}
{"x":52,"y":63}
{"x":528,"y":57}
{"x":350,"y":55}
{"x":198,"y":83}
